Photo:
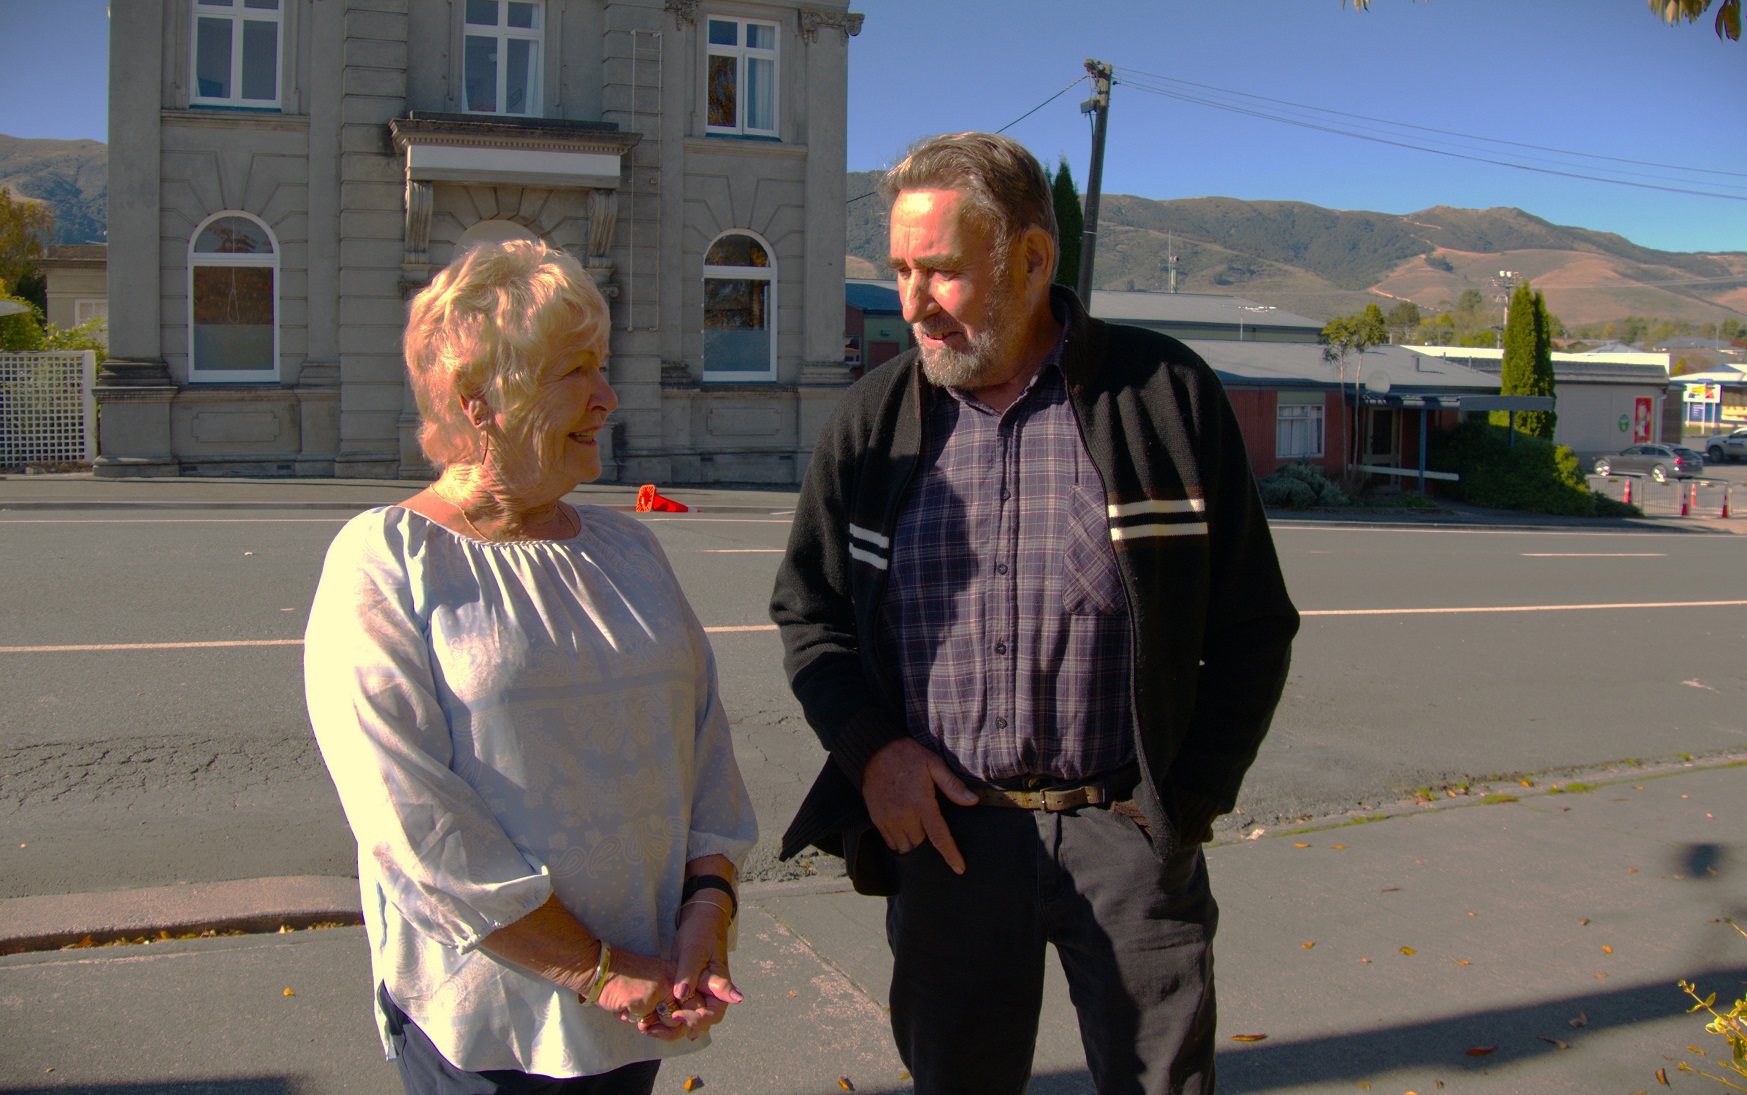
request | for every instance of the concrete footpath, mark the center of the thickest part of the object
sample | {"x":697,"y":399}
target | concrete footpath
{"x":1489,"y":947}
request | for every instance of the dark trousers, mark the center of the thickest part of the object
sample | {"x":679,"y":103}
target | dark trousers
{"x":425,"y":1071}
{"x":1135,"y":938}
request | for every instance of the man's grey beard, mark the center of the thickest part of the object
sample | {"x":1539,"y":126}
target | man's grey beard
{"x":991,"y":352}
{"x":969,"y":369}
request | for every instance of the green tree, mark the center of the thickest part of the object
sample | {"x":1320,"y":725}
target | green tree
{"x":1071,"y":220}
{"x":1353,"y":335}
{"x":1528,"y":361}
{"x":24,"y":225}
{"x":1728,"y":21}
{"x":1403,"y":318}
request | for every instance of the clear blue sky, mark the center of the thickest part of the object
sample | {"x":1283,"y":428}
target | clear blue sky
{"x":1602,"y":77}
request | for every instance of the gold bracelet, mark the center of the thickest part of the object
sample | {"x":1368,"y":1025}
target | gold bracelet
{"x":603,"y":969}
{"x":703,"y":901}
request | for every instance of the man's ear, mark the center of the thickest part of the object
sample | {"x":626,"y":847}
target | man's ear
{"x":1037,"y":253}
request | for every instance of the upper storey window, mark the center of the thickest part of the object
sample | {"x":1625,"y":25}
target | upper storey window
{"x":742,"y":77}
{"x":236,"y":53}
{"x":502,"y":56}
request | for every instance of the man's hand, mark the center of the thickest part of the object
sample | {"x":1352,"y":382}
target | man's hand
{"x":899,"y":785}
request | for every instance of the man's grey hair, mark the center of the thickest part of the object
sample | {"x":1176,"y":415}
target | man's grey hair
{"x":1004,"y":186}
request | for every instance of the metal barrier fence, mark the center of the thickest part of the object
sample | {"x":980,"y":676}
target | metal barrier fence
{"x":47,"y":412}
{"x":1696,"y":497}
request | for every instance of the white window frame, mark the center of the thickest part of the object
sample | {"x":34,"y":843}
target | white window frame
{"x":1303,"y":410}
{"x":236,"y":14}
{"x":746,"y":273}
{"x":197,"y":375}
{"x":86,"y":309}
{"x":741,"y":53}
{"x":504,"y":35}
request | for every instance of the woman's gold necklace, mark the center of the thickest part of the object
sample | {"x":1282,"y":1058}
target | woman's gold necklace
{"x":468,"y":521}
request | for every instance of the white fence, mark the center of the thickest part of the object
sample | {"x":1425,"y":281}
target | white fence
{"x":47,"y":413}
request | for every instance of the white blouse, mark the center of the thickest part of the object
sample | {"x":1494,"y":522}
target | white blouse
{"x":504,"y":722}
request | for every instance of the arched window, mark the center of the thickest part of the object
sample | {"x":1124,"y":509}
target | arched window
{"x":739,"y":309}
{"x":233,"y":301}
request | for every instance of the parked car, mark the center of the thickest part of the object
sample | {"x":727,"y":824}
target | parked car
{"x":1697,"y":458}
{"x":1660,"y":462}
{"x":1729,"y":447}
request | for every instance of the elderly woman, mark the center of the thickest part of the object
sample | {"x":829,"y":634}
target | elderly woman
{"x":520,"y":712}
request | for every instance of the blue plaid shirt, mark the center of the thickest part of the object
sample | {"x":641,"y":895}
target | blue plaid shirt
{"x":1004,"y":612}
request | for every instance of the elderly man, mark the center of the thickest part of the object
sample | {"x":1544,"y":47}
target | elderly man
{"x":1032,"y":609}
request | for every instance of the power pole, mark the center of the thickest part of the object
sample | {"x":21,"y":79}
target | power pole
{"x":1099,"y":107}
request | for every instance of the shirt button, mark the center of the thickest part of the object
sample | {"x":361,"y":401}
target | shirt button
{"x":1000,"y":568}
{"x":1000,"y":648}
{"x":1006,"y":494}
{"x":1000,"y":724}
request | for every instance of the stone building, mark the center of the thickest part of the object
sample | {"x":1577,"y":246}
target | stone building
{"x":284,"y":174}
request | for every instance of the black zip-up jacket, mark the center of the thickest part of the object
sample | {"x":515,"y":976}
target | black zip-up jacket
{"x":1211,"y":620}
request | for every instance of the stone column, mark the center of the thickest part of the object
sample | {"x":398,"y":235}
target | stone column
{"x":133,"y":388}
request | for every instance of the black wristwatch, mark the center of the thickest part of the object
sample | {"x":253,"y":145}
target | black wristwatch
{"x":710,"y":882}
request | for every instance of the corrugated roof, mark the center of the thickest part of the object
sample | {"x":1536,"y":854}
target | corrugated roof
{"x":1299,"y":364}
{"x":1137,"y":307}
{"x":879,"y":297}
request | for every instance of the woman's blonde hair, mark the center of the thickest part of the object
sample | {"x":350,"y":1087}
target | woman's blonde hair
{"x":487,"y":328}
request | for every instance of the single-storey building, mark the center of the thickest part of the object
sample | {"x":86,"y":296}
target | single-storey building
{"x":77,"y":277}
{"x":874,"y":330}
{"x":1605,"y":400}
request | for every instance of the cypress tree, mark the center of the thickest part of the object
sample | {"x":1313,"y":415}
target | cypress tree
{"x":1540,"y":423}
{"x":1071,"y":220}
{"x":1516,"y":376}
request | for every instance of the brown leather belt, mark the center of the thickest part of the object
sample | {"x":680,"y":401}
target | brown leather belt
{"x":1103,"y":792}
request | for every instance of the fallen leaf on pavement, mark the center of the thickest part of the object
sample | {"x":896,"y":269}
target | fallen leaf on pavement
{"x":1695,"y":683}
{"x":1601,"y":977}
{"x":1579,"y":1020}
{"x":1367,"y":961}
{"x":1248,"y":1037}
{"x":1552,"y":1041}
{"x":1310,"y":944}
{"x":1461,"y":961}
{"x":843,"y":1082}
{"x":1295,"y":845}
{"x":1584,"y":922}
{"x":1662,"y":1077}
{"x":1338,"y":846}
{"x":1605,"y":949}
{"x":288,"y":992}
{"x":1390,"y":889}
{"x":1481,"y":1051}
{"x":1409,"y":951}
{"x":791,"y":993}
{"x":692,"y":1083}
{"x":1255,"y":834}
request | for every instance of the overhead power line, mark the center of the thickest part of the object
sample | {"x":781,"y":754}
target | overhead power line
{"x":1173,"y":81}
{"x":1138,"y":85}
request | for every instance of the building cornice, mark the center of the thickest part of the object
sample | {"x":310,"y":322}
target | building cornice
{"x":543,"y":136}
{"x":813,"y":20}
{"x":235,"y":119}
{"x":732,"y":146}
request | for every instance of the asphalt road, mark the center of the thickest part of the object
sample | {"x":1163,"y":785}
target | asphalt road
{"x":148,"y":764}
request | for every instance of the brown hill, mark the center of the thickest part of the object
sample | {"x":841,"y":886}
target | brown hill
{"x":72,"y":177}
{"x":1326,"y":262}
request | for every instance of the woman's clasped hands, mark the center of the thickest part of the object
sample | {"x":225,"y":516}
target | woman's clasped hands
{"x":682,"y":998}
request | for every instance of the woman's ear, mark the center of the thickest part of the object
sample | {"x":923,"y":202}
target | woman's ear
{"x":477,"y":412}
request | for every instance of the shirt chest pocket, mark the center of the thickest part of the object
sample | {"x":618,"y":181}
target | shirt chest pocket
{"x":1090,"y":584}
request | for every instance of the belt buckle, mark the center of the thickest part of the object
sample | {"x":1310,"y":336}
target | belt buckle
{"x":1071,"y":798}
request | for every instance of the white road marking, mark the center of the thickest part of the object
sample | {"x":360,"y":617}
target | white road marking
{"x":174,"y":520}
{"x":82,"y":648}
{"x":1595,"y":554}
{"x":722,"y":520}
{"x":738,"y":629}
{"x":1513,"y":608}
{"x":1471,"y":531}
{"x":147,"y":646}
{"x":742,"y":551}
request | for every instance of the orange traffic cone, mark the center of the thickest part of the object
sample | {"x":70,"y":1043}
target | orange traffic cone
{"x":1628,"y":492}
{"x":649,"y":501}
{"x":1684,"y":498}
{"x":1725,"y":502}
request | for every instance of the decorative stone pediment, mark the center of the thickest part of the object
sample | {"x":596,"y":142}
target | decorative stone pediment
{"x":684,"y":12}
